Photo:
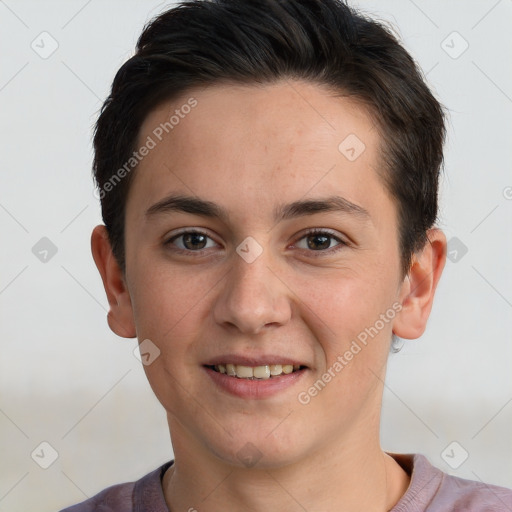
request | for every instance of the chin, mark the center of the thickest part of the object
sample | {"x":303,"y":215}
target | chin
{"x":250,"y":456}
{"x":259,"y":448}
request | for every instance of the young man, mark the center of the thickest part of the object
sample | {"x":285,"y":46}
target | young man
{"x":268,"y":174}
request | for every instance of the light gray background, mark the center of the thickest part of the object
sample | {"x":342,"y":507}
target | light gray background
{"x":65,"y":379}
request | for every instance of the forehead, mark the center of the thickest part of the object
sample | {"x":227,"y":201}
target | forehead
{"x":251,"y":146}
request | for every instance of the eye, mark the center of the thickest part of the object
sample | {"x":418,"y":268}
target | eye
{"x":320,"y":240}
{"x":191,"y":241}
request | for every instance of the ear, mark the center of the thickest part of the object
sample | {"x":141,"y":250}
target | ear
{"x":120,"y":315}
{"x":418,"y":289}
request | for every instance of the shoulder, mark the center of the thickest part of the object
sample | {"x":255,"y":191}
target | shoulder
{"x":116,"y":497}
{"x":432,"y":490}
{"x":127,"y":497}
{"x":468,"y":495}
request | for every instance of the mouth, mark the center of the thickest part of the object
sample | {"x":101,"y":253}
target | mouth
{"x":255,"y":378}
{"x":261,"y":372}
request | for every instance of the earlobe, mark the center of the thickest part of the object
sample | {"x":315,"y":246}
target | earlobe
{"x":120,"y":316}
{"x":419,"y":286}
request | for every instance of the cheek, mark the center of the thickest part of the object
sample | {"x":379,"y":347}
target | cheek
{"x":351,"y":340}
{"x":166,"y":301}
{"x":169,"y":310}
{"x":343,"y":307}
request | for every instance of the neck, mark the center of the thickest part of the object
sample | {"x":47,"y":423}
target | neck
{"x":350,"y":477}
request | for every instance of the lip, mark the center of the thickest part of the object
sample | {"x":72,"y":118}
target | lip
{"x":256,"y":389}
{"x":252,"y":361}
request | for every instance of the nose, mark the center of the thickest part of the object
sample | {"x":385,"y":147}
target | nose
{"x":253,"y":297}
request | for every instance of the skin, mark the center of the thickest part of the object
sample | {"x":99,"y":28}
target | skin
{"x":250,"y":149}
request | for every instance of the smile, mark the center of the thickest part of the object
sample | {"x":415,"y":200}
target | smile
{"x":255,"y":372}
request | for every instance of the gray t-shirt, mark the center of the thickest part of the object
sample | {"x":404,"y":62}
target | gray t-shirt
{"x":430,"y":490}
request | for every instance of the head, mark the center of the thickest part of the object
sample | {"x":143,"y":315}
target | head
{"x":248,"y":121}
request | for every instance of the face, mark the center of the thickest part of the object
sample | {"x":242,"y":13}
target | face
{"x":285,"y":253}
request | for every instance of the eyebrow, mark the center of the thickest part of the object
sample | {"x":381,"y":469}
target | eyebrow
{"x":204,"y":208}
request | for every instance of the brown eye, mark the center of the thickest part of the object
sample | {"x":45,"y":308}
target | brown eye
{"x":191,"y":241}
{"x":320,"y":241}
{"x":194,"y":241}
{"x":316,"y":242}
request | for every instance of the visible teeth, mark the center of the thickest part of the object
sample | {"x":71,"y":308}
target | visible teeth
{"x":262,"y":372}
{"x":276,"y":369}
{"x":256,"y":372}
{"x":244,"y":372}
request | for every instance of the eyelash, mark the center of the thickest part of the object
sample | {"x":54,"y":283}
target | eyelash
{"x":310,"y":232}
